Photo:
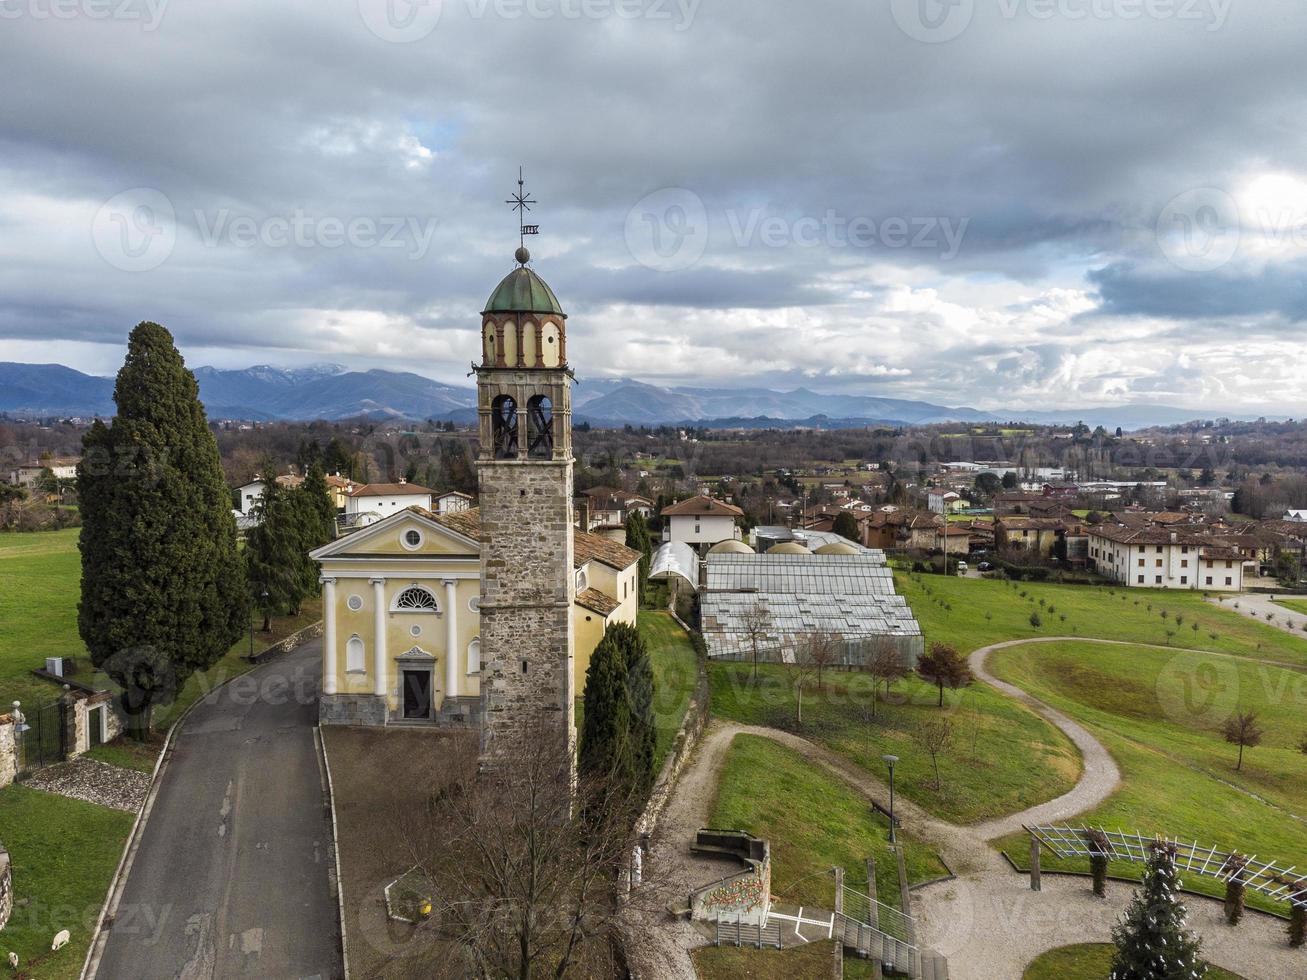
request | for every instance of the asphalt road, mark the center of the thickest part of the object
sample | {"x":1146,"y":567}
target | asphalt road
{"x":230,"y":879}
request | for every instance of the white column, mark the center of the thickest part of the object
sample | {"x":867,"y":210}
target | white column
{"x":329,"y":636}
{"x":451,"y":638}
{"x":378,"y":636}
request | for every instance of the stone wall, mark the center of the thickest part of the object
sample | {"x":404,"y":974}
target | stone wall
{"x":351,"y":709}
{"x":683,"y":745}
{"x":8,"y":750}
{"x":289,"y":643}
{"x":527,"y":588}
{"x":6,"y":888}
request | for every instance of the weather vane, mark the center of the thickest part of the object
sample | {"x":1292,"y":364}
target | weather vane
{"x":521,"y":202}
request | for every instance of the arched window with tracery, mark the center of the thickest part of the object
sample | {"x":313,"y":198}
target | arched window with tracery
{"x":416,"y":599}
{"x":503,"y":418}
{"x":540,"y":427}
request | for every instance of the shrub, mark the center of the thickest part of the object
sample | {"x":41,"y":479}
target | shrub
{"x":1035,"y":621}
{"x":1297,"y":926}
{"x":1098,"y":868}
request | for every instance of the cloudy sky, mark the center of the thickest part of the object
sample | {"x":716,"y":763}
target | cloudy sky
{"x":1017,"y":203}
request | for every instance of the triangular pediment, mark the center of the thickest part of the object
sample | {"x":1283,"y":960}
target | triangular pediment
{"x":389,"y":538}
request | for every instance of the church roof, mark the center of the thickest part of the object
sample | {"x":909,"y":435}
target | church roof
{"x":593,"y":599}
{"x":585,"y":546}
{"x":522,"y":291}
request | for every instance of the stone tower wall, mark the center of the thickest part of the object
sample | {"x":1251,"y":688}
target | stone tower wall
{"x":527,"y":591}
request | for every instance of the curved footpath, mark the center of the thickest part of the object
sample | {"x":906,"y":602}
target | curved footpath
{"x":986,"y":921}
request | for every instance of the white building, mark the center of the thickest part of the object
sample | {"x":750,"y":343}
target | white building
{"x":1156,"y":558}
{"x":1298,"y":516}
{"x":453,"y":501}
{"x":371,"y":502}
{"x":701,"y":520}
{"x":248,"y":495}
{"x":28,"y":475}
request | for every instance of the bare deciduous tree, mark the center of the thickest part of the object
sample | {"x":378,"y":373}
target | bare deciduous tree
{"x":525,"y":868}
{"x":1242,"y":729}
{"x":756,"y":625}
{"x":935,"y":736}
{"x":886,"y":665}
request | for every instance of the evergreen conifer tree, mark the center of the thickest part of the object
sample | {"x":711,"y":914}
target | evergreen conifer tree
{"x":1152,"y":939}
{"x":163,"y":590}
{"x":605,"y":753}
{"x":640,"y":688}
{"x":638,"y":539}
{"x":322,"y":507}
{"x":275,"y":554}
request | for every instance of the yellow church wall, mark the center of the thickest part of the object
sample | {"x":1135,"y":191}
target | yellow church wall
{"x":400,"y":638}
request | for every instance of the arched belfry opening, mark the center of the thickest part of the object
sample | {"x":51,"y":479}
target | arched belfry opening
{"x":540,"y":427}
{"x":503,"y":416}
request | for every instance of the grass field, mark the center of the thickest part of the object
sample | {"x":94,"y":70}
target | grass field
{"x":1159,"y":714}
{"x":1089,"y":961}
{"x":1004,"y":757}
{"x":971,"y":613}
{"x":1297,"y":605}
{"x":40,"y":585}
{"x":64,"y":852}
{"x":814,"y":823}
{"x":675,"y":670}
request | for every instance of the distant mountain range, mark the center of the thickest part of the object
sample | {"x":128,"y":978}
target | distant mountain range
{"x":332,"y":392}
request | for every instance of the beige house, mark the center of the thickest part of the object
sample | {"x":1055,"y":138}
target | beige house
{"x":402,"y":623}
{"x":1159,"y":558}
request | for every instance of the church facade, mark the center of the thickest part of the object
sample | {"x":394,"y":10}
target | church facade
{"x":486,"y":617}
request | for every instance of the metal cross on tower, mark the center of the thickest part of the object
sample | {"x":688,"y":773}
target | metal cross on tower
{"x":521,"y":202}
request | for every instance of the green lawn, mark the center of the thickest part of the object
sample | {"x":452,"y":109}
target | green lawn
{"x":1003,"y":758}
{"x":40,"y":585}
{"x":814,"y":823}
{"x":1159,"y":714}
{"x":127,"y":753}
{"x":971,"y":613}
{"x":64,"y":852}
{"x":1089,"y":961}
{"x":675,"y":670}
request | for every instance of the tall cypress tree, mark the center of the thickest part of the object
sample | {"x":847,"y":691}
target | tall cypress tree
{"x":605,"y":753}
{"x":640,"y":691}
{"x":163,"y":594}
{"x":323,"y":527}
{"x":638,"y":539}
{"x":1152,"y":939}
{"x":275,"y":550}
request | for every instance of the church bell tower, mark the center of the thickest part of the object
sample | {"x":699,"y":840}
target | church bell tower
{"x":524,"y":406}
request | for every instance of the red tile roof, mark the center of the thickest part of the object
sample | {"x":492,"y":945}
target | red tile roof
{"x":702,"y":506}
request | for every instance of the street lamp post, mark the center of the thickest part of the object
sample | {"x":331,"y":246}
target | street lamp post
{"x":890,"y":760}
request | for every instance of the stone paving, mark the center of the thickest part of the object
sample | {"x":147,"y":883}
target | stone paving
{"x":94,"y":782}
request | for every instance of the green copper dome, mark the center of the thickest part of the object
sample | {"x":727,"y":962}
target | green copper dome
{"x":522,"y":291}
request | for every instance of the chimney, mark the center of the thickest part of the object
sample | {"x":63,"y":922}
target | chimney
{"x":583,"y":513}
{"x":1174,"y":537}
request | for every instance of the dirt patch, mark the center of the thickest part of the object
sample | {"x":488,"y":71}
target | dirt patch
{"x":379,"y":778}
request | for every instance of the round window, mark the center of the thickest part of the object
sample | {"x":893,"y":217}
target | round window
{"x":415,"y":630}
{"x":474,"y":603}
{"x":412,"y":539}
{"x":355,"y":602}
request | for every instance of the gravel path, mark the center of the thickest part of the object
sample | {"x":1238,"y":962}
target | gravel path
{"x":94,"y":782}
{"x":1256,"y":606}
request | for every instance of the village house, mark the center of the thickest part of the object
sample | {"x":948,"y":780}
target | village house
{"x":28,"y":475}
{"x":453,"y":501}
{"x":701,"y":521}
{"x":1157,"y":557}
{"x":249,"y":494}
{"x":371,"y":502}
